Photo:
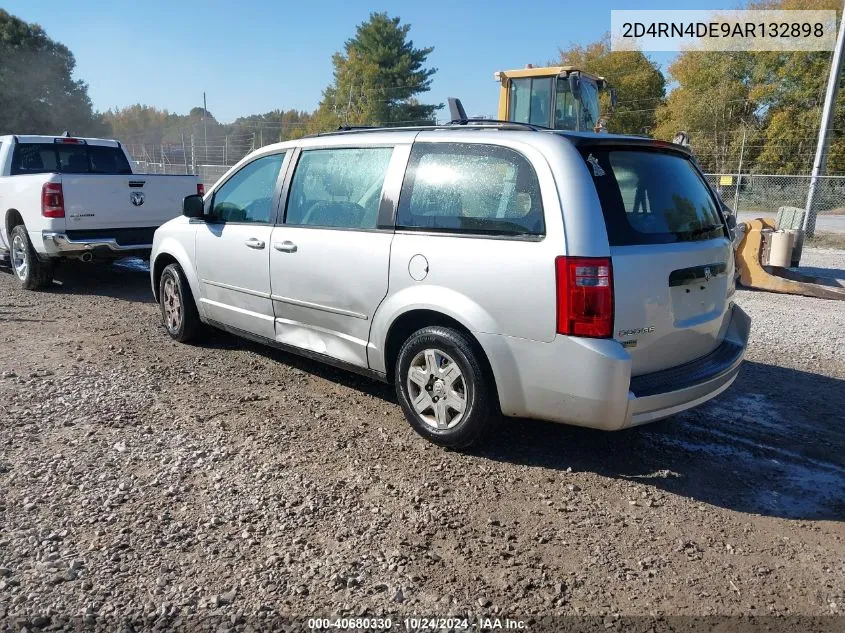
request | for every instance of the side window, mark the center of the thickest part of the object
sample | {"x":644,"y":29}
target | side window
{"x":248,"y":195}
{"x":338,"y":187}
{"x":484,"y":189}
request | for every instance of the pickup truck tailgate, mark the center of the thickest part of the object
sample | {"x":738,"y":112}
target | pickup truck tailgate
{"x":98,"y":201}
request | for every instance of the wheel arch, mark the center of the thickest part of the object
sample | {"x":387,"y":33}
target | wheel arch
{"x":172,"y":252}
{"x":412,"y":320}
{"x":11,"y":219}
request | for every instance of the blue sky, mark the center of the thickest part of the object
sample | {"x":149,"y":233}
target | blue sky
{"x":253,"y":56}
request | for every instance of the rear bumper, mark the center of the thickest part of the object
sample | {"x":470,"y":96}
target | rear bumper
{"x":587,"y":382}
{"x":664,"y":393}
{"x":58,"y":244}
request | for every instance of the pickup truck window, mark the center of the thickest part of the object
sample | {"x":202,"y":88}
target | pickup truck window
{"x":47,"y":158}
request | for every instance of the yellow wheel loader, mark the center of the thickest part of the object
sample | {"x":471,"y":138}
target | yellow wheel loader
{"x":557,"y":97}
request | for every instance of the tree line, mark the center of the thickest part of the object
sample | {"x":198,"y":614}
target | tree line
{"x":766,"y":106}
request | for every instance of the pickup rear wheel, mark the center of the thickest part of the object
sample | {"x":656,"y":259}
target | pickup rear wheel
{"x":178,"y":310}
{"x":442,"y":387}
{"x":32,"y":272}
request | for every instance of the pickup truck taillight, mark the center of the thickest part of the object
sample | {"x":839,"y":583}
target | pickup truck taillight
{"x":584,"y":296}
{"x":200,"y":189}
{"x":52,"y":200}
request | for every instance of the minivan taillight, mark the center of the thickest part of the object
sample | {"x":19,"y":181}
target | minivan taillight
{"x":584,"y":296}
{"x":200,"y":189}
{"x":52,"y":200}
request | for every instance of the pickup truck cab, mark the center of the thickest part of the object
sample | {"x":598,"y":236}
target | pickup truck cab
{"x":64,"y":197}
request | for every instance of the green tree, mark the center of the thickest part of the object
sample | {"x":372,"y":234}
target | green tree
{"x":790,"y":89}
{"x":377,"y":78}
{"x":639,"y":83}
{"x":37,"y":91}
{"x":274,"y":126}
{"x":712,"y":103}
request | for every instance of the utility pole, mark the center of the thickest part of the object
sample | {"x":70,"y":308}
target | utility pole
{"x":205,"y":125}
{"x":824,"y":129}
{"x":739,"y":169}
{"x":193,"y":156}
{"x":348,"y":106}
{"x":184,"y":153}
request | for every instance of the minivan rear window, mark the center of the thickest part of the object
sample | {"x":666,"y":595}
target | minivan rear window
{"x":68,"y":158}
{"x":652,"y":197}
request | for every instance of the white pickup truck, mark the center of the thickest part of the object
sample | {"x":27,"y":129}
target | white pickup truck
{"x":64,"y":197}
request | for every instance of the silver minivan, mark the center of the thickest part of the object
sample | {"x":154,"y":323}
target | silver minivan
{"x":483,"y":269}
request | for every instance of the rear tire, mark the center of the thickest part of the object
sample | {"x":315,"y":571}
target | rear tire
{"x":31,"y":272}
{"x":178,"y":310}
{"x":443,"y":389}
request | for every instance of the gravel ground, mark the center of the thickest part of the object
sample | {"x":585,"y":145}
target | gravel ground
{"x":149,"y":481}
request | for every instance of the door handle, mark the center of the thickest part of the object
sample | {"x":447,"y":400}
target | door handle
{"x":254,"y":243}
{"x":285,"y":247}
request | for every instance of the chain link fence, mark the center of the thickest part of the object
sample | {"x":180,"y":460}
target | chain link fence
{"x":764,"y":193}
{"x":195,"y":153}
{"x":758,"y":193}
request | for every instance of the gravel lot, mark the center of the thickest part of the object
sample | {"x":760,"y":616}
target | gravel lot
{"x":148,"y":481}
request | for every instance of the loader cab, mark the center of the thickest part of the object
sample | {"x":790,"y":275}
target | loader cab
{"x":558,"y":97}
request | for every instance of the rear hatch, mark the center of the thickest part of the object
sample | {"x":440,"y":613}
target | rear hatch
{"x":673,"y":268}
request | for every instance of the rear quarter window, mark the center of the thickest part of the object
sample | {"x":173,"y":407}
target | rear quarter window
{"x":470,"y":188}
{"x":652,"y":197}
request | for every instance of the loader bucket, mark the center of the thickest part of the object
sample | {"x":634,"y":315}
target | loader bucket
{"x":754,"y":274}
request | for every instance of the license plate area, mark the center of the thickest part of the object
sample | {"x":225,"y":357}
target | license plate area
{"x":698,"y":293}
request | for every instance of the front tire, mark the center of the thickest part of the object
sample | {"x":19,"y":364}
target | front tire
{"x":178,"y":310}
{"x":31,"y":272}
{"x":443,"y":389}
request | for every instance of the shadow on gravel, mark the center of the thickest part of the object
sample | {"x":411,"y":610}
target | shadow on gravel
{"x":127,"y":279}
{"x":218,"y":339}
{"x":831,"y":273}
{"x":773,"y":444}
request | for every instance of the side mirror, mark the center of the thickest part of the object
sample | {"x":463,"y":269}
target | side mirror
{"x":192,"y":206}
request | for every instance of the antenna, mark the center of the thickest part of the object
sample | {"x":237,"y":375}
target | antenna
{"x":457,"y":112}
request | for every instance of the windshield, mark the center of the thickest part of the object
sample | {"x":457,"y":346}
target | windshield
{"x":652,"y":197}
{"x":572,"y":115}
